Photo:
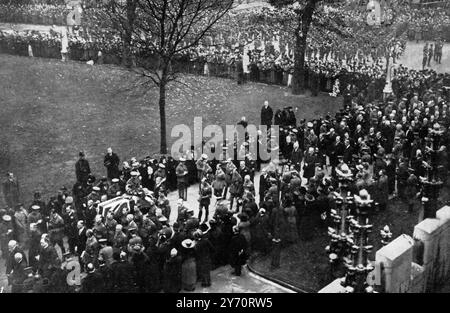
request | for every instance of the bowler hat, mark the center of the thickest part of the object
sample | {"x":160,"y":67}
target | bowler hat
{"x":188,"y":243}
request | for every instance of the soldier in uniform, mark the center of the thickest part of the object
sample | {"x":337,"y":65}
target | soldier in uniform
{"x":182,"y":172}
{"x":205,"y":199}
{"x":425,"y":56}
{"x":201,"y":165}
{"x":82,"y":169}
{"x":11,"y":191}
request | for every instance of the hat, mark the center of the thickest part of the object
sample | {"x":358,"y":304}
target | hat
{"x":69,"y":200}
{"x":188,"y":243}
{"x":310,"y":125}
{"x":115,"y":180}
{"x":182,"y":160}
{"x":162,"y":219}
{"x":134,"y":173}
{"x":102,"y":240}
{"x":35,"y":207}
{"x":7,"y":218}
{"x":204,"y":228}
{"x":309,"y":197}
{"x":90,"y":268}
{"x":344,"y":171}
{"x":198,"y":234}
{"x":161,"y":165}
{"x":204,"y":156}
{"x":96,"y":188}
{"x":190,"y":210}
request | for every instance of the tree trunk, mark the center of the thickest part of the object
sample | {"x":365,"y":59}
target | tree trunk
{"x":126,"y":53}
{"x":128,"y":26}
{"x":162,"y":115}
{"x":301,"y":34}
{"x":298,"y":78}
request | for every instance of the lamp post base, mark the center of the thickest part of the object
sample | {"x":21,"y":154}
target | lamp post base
{"x":387,"y":91}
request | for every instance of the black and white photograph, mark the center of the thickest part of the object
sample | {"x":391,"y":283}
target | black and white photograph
{"x":241,"y":148}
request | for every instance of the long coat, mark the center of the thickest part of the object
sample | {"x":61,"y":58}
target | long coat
{"x":237,"y":250}
{"x":189,"y":270}
{"x":122,"y":277}
{"x":296,"y":157}
{"x":141,"y":273}
{"x":382,"y":190}
{"x":290,"y":233}
{"x":153,"y":270}
{"x":309,"y":167}
{"x":93,"y":283}
{"x":236,"y":187}
{"x":172,"y":275}
{"x":203,"y":252}
{"x":411,"y":189}
{"x":11,"y":192}
{"x":266,"y":116}
{"x":111,"y":162}
{"x":48,"y":261}
{"x":82,"y":170}
{"x":260,"y":229}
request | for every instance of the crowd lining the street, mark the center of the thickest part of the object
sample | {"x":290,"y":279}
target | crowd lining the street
{"x":381,"y":144}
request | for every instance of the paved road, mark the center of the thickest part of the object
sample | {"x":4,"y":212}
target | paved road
{"x":412,"y":58}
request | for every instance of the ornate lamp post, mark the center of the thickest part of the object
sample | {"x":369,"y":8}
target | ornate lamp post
{"x":340,"y":235}
{"x":431,"y":184}
{"x":387,"y":91}
{"x":358,"y":269}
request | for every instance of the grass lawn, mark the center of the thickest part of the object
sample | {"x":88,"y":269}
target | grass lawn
{"x":50,"y":110}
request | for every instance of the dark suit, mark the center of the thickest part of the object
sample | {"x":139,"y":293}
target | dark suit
{"x":93,"y":283}
{"x":81,"y":239}
{"x":111,"y":162}
{"x":348,"y":155}
{"x":263,"y":186}
{"x":266,"y":116}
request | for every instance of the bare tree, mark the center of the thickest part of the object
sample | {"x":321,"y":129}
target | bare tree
{"x":162,"y":30}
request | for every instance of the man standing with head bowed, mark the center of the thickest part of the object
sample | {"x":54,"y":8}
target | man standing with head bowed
{"x":266,"y":114}
{"x":111,"y":162}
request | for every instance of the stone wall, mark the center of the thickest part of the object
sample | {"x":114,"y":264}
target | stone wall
{"x":414,"y":265}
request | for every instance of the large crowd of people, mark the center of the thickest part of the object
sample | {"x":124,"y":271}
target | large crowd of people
{"x":120,"y":233}
{"x":139,"y":247}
